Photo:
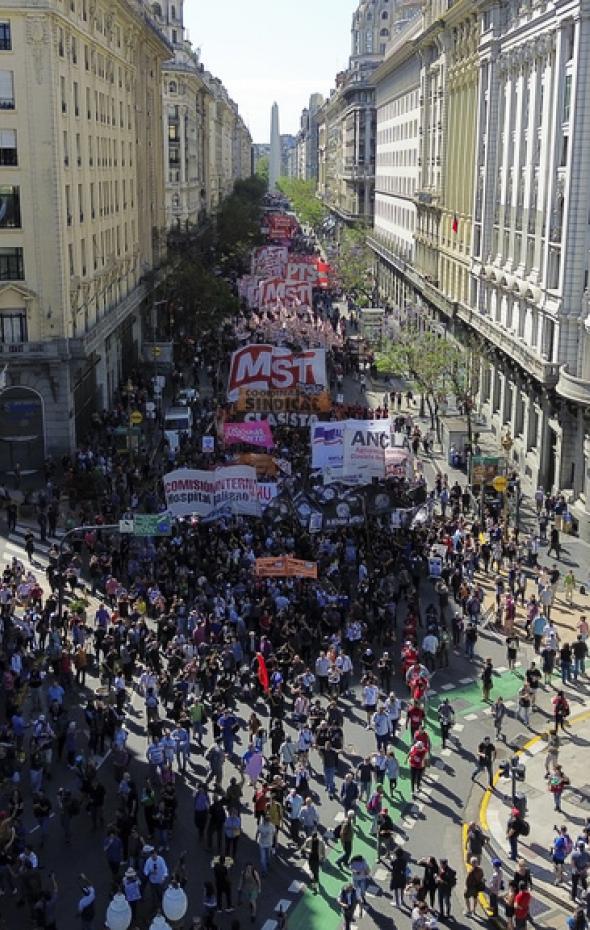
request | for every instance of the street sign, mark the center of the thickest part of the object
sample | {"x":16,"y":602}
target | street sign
{"x":152,"y":524}
{"x":208,"y":444}
{"x":500,"y":483}
{"x":135,"y":417}
{"x":126,"y":526}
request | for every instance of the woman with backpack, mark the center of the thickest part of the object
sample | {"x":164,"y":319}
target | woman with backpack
{"x":561,"y":710}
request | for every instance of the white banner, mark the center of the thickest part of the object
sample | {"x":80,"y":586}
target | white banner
{"x":327,"y":445}
{"x":267,"y":491}
{"x":193,"y":491}
{"x":365,"y":443}
{"x":262,"y":367}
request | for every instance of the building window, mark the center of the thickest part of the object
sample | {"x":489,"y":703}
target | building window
{"x":6,"y":90}
{"x":5,"y":37}
{"x":172,"y":87}
{"x":12,"y":266}
{"x":13,"y":327}
{"x":9,"y":207}
{"x":8,"y":152}
{"x":567,"y":98}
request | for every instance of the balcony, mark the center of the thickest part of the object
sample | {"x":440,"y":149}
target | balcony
{"x":544,"y":371}
{"x":573,"y":389}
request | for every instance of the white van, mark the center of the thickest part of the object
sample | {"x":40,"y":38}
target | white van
{"x":177,"y":420}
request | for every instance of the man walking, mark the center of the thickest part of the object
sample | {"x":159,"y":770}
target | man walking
{"x":486,"y":753}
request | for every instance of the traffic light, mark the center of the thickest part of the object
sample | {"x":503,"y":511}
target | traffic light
{"x":504,"y":769}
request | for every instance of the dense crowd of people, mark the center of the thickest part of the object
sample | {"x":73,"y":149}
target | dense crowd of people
{"x":246,"y":686}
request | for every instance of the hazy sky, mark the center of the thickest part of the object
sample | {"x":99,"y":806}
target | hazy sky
{"x":266,"y":50}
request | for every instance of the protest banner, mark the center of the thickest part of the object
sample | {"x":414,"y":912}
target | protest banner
{"x":263,"y":463}
{"x":195,"y":491}
{"x":285,"y":567}
{"x":254,"y":434}
{"x":283,"y":402}
{"x":264,"y":367}
{"x":364,"y":445}
{"x":327,"y":445}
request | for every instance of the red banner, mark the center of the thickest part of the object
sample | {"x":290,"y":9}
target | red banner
{"x":264,"y":367}
{"x":281,"y":226}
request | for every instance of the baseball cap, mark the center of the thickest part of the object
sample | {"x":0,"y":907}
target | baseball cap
{"x":496,"y":862}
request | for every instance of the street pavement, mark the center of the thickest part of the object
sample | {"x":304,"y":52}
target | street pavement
{"x":575,"y":808}
{"x":429,"y":826}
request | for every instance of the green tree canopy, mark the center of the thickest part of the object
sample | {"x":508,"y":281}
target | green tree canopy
{"x":353,"y":264}
{"x":302,"y":194}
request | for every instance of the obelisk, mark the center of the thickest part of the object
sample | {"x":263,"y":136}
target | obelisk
{"x":274,"y":168}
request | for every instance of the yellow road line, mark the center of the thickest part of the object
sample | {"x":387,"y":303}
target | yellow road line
{"x":483,"y":808}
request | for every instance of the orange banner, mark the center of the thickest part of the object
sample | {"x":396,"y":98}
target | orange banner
{"x":285,"y":567}
{"x":263,"y":463}
{"x":283,"y":402}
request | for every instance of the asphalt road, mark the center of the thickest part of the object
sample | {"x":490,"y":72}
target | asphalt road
{"x":432,"y":825}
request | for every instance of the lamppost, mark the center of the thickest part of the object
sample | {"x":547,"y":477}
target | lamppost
{"x":160,"y":923}
{"x":118,"y":916}
{"x":507,"y":443}
{"x":174,"y":902}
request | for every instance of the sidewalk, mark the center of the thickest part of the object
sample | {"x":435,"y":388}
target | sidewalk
{"x":575,"y":803}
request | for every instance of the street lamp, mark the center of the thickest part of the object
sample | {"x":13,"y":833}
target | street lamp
{"x":160,"y":923}
{"x":118,"y":916}
{"x":507,"y":443}
{"x":174,"y":902}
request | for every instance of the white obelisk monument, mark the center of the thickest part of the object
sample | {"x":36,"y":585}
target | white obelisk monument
{"x":274,"y":168}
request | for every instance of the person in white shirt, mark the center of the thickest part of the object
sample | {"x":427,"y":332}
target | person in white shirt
{"x":380,"y":723}
{"x":429,"y":650}
{"x":370,"y":698}
{"x":156,"y":872}
{"x":393,"y":708}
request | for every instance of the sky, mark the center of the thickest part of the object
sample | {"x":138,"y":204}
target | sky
{"x":267,"y":50}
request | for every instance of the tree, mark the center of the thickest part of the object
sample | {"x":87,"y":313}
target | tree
{"x":198,"y":300}
{"x":353,"y":265}
{"x":436,"y":366}
{"x":302,"y":195}
{"x":263,"y":169}
{"x":424,"y":360}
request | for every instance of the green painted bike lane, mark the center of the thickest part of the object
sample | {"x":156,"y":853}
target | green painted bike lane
{"x":321,"y":910}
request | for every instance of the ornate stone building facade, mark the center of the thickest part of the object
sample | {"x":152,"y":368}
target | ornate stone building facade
{"x":197,"y":109}
{"x":347,"y":121}
{"x":502,"y":237}
{"x":83,"y":188}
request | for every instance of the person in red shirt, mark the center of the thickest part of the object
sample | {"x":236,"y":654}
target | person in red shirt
{"x":421,"y":736}
{"x":522,"y":903}
{"x":417,"y":760}
{"x":414,"y":718}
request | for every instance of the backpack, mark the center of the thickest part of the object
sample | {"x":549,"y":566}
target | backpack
{"x":524,"y":828}
{"x":374,"y":804}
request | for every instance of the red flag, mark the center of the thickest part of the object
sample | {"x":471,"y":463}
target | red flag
{"x":262,"y":672}
{"x":455,"y":225}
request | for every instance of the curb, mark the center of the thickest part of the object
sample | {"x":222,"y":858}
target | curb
{"x":542,"y":888}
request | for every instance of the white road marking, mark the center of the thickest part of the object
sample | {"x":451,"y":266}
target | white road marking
{"x":501,"y":669}
{"x":446,"y":751}
{"x":381,"y":875}
{"x":447,"y":687}
{"x":283,"y":905}
{"x":340,"y":817}
{"x":458,"y":728}
{"x":537,"y":748}
{"x":470,"y":717}
{"x":466,"y":681}
{"x":269,"y":925}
